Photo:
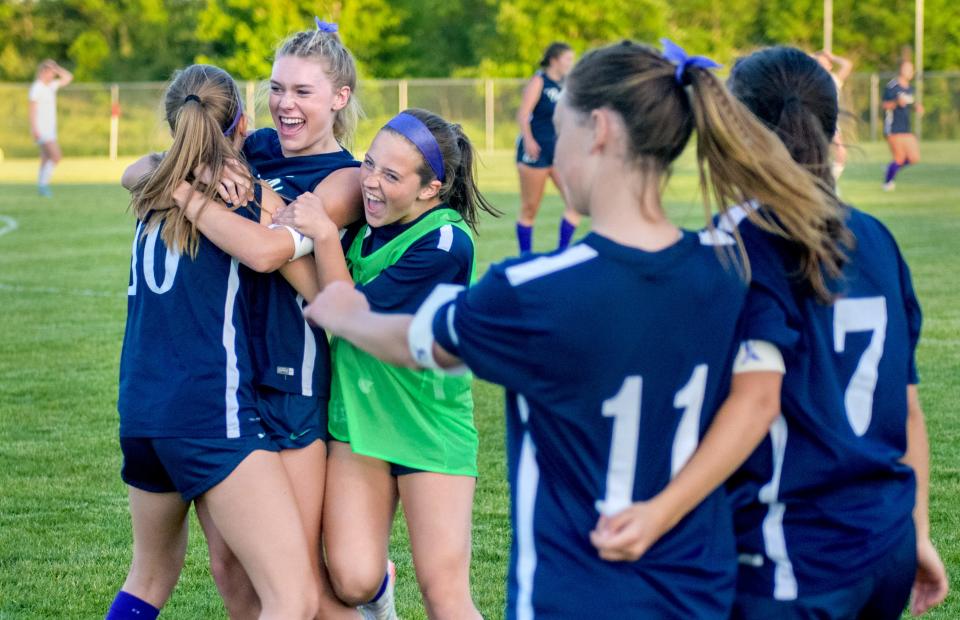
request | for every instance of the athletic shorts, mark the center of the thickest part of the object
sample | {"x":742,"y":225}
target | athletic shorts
{"x":546,"y":154}
{"x":190,"y":466}
{"x":881,"y":594}
{"x":46,"y":136}
{"x":396,"y":470}
{"x":292,"y":420}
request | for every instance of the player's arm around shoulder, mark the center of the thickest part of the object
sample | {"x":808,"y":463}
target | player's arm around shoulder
{"x":256,"y":246}
{"x":340,"y":195}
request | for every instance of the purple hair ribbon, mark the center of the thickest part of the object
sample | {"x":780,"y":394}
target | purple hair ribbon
{"x":675,"y":54}
{"x":323,"y":26}
{"x":413,"y":129}
{"x":236,"y":119}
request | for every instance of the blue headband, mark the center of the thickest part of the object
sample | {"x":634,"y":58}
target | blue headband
{"x":323,"y":26}
{"x":413,"y":129}
{"x":675,"y":54}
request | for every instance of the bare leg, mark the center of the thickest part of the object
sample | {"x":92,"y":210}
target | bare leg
{"x":159,"y":545}
{"x":256,"y":512}
{"x":533,"y":181}
{"x":360,"y":502}
{"x":439,"y":509}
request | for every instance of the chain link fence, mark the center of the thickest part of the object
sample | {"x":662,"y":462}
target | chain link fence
{"x":110,"y":120}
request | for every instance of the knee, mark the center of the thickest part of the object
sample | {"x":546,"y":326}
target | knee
{"x":445,"y":599}
{"x":357,"y":584}
{"x":304,"y":606}
{"x":232,"y":582}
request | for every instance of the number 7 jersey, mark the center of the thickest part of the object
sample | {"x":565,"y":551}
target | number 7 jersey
{"x":825,"y":495}
{"x":615,"y":361}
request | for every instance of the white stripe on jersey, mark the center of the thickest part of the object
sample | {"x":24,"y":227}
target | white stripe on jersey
{"x":446,"y":238}
{"x":309,"y":355}
{"x":528,"y":479}
{"x":730,"y":220}
{"x":230,"y":345}
{"x":774,"y":540}
{"x":545,"y":265}
{"x":715,"y":236}
{"x":132,"y":289}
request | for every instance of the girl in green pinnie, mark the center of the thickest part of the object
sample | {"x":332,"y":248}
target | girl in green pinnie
{"x":398,"y":433}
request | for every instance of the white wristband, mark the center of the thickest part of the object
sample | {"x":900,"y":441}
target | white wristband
{"x":302,"y":244}
{"x":420,"y":334}
{"x":758,"y":356}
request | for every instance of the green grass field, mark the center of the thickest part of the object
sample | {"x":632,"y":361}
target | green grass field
{"x":64,"y":527}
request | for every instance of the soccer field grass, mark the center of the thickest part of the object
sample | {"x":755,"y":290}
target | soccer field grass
{"x":64,"y":527}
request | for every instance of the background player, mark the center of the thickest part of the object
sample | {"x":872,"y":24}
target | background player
{"x":839,"y":69}
{"x":396,"y":431}
{"x":190,"y":419}
{"x":898,"y":100}
{"x":604,"y":420}
{"x":51,"y":77}
{"x":535,"y":145}
{"x":826,"y":522}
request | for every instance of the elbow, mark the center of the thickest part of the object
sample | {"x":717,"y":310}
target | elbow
{"x":264,"y":263}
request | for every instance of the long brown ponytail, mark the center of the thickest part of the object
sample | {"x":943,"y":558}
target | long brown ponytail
{"x":739,"y":160}
{"x":201,"y":104}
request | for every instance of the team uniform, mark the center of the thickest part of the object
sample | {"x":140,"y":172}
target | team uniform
{"x":897,"y":120}
{"x":541,"y":125}
{"x":615,"y":361}
{"x":824,"y":506}
{"x":416,"y":420}
{"x":189,"y":412}
{"x":45,"y":96}
{"x":293,"y":369}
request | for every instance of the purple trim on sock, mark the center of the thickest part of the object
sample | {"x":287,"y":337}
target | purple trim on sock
{"x":524,"y":238}
{"x":891,"y":171}
{"x":566,"y":233}
{"x":128,"y":607}
{"x":383,"y":588}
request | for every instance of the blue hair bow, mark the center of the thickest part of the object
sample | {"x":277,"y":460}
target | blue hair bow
{"x":323,"y":26}
{"x":675,"y":54}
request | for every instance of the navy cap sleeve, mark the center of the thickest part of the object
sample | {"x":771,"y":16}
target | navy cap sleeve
{"x":487,"y":328}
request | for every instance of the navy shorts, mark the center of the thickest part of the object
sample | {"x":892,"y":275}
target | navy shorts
{"x":190,"y":466}
{"x":292,"y":420}
{"x":881,"y":594}
{"x":546,"y":154}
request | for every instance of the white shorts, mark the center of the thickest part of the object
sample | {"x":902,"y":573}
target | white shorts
{"x":46,"y":136}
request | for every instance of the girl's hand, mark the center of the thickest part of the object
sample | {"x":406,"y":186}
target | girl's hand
{"x":337,"y":303}
{"x":930,"y":586}
{"x":531,"y":149}
{"x":627,"y":535}
{"x":188,"y":200}
{"x":236,"y":185}
{"x":307,"y":215}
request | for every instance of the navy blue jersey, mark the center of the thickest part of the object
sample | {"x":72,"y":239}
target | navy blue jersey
{"x":897,"y":120}
{"x":541,"y":119}
{"x":615,"y":361}
{"x":291,"y":176}
{"x":293,"y":356}
{"x":186,"y":368}
{"x":439,"y":257}
{"x":825,"y":495}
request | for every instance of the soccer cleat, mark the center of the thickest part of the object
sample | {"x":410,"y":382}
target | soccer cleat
{"x":383,"y":608}
{"x":889,"y":186}
{"x":45,"y":191}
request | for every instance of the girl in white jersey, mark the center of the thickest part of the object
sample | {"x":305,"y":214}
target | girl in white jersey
{"x":43,"y":118}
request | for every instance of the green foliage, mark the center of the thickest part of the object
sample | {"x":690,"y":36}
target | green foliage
{"x":123,"y":40}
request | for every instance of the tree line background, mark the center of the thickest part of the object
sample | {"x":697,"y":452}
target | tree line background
{"x":135,"y":40}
